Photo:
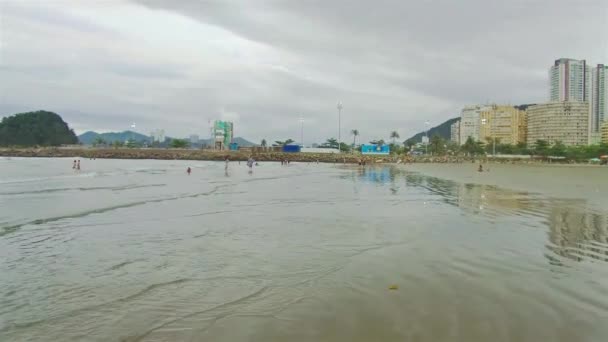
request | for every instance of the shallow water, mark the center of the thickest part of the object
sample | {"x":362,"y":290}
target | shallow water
{"x":139,"y":251}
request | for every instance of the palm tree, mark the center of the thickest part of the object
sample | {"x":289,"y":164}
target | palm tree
{"x":394,"y":135}
{"x":355,"y":133}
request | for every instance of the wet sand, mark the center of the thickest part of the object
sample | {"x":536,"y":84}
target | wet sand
{"x":137,"y":250}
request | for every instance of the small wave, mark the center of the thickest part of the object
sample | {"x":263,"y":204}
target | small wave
{"x":98,"y":306}
{"x":237,"y":301}
{"x":10,"y":229}
{"x":123,"y":264}
{"x":112,"y":188}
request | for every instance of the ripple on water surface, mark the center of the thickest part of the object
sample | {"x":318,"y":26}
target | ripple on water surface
{"x":143,"y":252}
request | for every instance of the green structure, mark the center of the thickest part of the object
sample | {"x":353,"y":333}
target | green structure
{"x":223,"y":133}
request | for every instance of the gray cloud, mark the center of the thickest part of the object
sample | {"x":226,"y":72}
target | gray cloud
{"x":394,"y":64}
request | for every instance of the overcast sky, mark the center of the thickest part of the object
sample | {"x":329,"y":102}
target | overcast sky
{"x":176,"y":64}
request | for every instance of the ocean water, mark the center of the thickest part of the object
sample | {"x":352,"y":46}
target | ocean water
{"x":135,"y":250}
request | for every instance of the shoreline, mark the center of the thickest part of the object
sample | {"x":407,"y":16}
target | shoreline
{"x":210,"y":155}
{"x":182,"y":154}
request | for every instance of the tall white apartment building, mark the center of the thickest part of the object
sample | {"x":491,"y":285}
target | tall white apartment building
{"x":569,"y":80}
{"x":599,"y":98}
{"x":470,"y":123}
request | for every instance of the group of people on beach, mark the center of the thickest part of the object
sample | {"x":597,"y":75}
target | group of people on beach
{"x":250,"y":163}
{"x":76,"y":165}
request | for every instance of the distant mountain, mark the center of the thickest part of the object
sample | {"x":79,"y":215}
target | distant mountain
{"x":40,"y":128}
{"x":88,"y":138}
{"x":242,"y":142}
{"x":442,"y":130}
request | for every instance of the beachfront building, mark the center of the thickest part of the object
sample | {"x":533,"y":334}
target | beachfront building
{"x":569,"y":80}
{"x":599,"y":97}
{"x":506,"y":124}
{"x":455,"y":132}
{"x":605,"y":132}
{"x":470,"y":122}
{"x":567,"y":122}
{"x":194,"y":139}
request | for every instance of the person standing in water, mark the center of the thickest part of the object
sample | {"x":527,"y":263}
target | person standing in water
{"x":74,"y":165}
{"x":189,"y":170}
{"x":250,"y":163}
{"x":78,"y":165}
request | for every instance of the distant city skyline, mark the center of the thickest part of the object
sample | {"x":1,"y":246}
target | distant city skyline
{"x":264,"y":65}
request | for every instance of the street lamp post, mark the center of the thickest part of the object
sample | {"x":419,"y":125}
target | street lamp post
{"x":302,"y":131}
{"x":339,"y":106}
{"x":492,"y":135}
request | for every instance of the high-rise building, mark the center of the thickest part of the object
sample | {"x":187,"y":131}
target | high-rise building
{"x":569,"y":80}
{"x":469,"y":123}
{"x":455,"y":132}
{"x":506,"y":124}
{"x":605,"y":132}
{"x":194,"y":139}
{"x":158,"y":135}
{"x":599,"y":97}
{"x":567,"y":122}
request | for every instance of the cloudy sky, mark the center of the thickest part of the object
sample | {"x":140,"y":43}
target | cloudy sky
{"x":176,"y":64}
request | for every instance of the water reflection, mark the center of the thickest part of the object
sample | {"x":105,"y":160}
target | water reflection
{"x":575,"y":230}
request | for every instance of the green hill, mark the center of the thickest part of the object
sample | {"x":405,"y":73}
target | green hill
{"x":88,"y":138}
{"x":442,"y":130}
{"x":39,"y":128}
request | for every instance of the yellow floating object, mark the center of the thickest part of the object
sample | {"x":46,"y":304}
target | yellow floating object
{"x":393,"y":287}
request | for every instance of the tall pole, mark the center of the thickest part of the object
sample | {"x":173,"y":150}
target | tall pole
{"x":339,"y":126}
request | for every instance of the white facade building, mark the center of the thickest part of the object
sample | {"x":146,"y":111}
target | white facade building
{"x":599,"y":98}
{"x":569,"y":80}
{"x":194,"y":139}
{"x":470,"y":123}
{"x":158,"y":135}
{"x":455,"y":132}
